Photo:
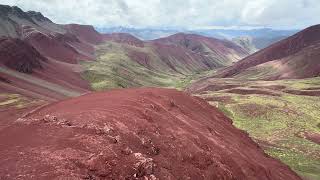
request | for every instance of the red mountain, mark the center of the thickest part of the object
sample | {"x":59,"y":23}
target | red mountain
{"x":124,"y":38}
{"x":49,"y":52}
{"x":133,"y":134}
{"x":67,"y":43}
{"x":180,"y":53}
{"x":19,"y":55}
{"x":46,"y":79}
{"x":85,"y":32}
{"x":224,"y":50}
{"x":294,"y":57}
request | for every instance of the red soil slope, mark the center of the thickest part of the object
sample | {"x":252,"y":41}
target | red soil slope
{"x":286,"y":48}
{"x":182,"y":60}
{"x":124,"y":38}
{"x":188,"y":53}
{"x":19,"y":55}
{"x":198,"y":44}
{"x":180,"y":53}
{"x":45,"y":78}
{"x":86,"y":32}
{"x":133,"y":134}
{"x":52,"y":45}
{"x":66,"y":43}
{"x":47,"y":51}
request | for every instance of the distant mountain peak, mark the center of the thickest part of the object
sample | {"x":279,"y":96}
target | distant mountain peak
{"x":6,"y":11}
{"x":38,"y":16}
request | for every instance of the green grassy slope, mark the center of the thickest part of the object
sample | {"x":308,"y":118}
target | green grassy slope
{"x":113,"y":68}
{"x":278,"y":121}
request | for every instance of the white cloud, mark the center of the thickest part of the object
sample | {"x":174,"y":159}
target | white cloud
{"x":178,"y":13}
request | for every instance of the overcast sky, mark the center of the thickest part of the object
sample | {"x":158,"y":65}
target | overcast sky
{"x":192,"y":14}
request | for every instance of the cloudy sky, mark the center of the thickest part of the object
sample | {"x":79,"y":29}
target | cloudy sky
{"x":192,"y":14}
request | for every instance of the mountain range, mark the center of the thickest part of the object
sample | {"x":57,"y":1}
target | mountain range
{"x":207,"y":104}
{"x":261,"y":37}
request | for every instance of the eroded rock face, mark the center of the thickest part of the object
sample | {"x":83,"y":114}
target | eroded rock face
{"x":19,"y":55}
{"x":133,"y":134}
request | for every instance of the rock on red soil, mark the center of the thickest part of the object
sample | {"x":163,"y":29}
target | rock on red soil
{"x":144,"y":133}
{"x":19,"y":55}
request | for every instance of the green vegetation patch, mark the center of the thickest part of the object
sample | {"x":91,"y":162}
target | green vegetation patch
{"x":14,"y":100}
{"x":113,"y":68}
{"x":277,"y":123}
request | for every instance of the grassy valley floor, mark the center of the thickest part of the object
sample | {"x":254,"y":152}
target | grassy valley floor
{"x":282,"y":116}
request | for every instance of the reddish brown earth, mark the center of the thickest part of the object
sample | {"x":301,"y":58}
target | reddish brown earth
{"x":48,"y":52}
{"x":251,"y":91}
{"x":271,"y":87}
{"x":66,"y":43}
{"x":181,"y":60}
{"x":64,"y":75}
{"x":133,"y":134}
{"x":174,"y":55}
{"x":292,"y":56}
{"x":86,"y":33}
{"x":224,"y":99}
{"x":124,"y":38}
{"x":314,"y":137}
{"x":18,"y":55}
{"x":10,"y":114}
{"x":19,"y":86}
{"x":140,"y":57}
{"x":197,"y":43}
{"x":53,"y":46}
{"x":213,"y":87}
{"x":188,"y":53}
{"x":303,"y":92}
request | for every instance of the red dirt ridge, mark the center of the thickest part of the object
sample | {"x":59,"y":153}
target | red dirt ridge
{"x":289,"y":47}
{"x":143,"y":133}
{"x":52,"y":45}
{"x":196,"y":43}
{"x":87,"y":33}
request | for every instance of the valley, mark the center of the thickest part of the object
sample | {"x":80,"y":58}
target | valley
{"x":78,"y":103}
